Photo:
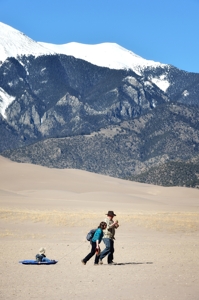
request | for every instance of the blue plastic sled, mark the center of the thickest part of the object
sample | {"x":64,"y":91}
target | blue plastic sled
{"x":35,"y":262}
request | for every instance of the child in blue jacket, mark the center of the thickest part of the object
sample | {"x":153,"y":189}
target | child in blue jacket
{"x":96,"y":240}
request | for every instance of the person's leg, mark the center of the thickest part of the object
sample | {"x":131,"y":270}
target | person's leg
{"x":107,"y":248}
{"x":45,"y":259}
{"x":97,"y":256}
{"x":93,"y":247}
{"x":110,"y":254}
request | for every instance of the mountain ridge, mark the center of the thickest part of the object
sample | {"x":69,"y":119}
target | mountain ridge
{"x":109,"y":55}
{"x":14,"y":43}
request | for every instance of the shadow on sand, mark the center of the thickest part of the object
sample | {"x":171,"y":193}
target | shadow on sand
{"x":133,"y":263}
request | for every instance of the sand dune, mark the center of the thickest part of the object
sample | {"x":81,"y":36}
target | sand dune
{"x":40,"y":183}
{"x":156,"y":243}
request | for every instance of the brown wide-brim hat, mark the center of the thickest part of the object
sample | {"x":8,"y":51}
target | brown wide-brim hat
{"x":111,"y":213}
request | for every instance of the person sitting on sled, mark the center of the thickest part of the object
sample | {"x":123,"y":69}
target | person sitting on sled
{"x":41,"y":257}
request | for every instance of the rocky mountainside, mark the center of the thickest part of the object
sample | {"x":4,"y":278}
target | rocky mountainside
{"x":57,"y":95}
{"x":168,"y":133}
{"x":61,"y":111}
{"x":177,"y":173}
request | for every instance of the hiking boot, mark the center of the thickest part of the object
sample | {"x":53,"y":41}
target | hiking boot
{"x":100,"y":262}
{"x":83,"y":262}
{"x":112,"y":263}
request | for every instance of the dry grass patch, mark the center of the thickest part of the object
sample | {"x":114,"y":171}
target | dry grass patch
{"x":6,"y":233}
{"x":59,"y":218}
{"x":173,"y":222}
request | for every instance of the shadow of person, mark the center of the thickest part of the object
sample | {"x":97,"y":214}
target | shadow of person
{"x":133,"y":263}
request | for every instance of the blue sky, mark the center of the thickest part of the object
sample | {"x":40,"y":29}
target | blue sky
{"x":164,"y":31}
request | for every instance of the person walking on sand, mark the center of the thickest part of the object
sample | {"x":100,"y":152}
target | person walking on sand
{"x":96,"y":240}
{"x":108,"y":238}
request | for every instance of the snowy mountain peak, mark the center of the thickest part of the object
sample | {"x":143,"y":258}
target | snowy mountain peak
{"x":14,"y":43}
{"x":109,"y":55}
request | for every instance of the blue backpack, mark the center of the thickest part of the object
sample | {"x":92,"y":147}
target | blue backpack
{"x":90,"y":234}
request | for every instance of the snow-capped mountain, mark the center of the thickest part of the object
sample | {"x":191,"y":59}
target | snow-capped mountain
{"x":109,"y":55}
{"x":14,"y":43}
{"x":100,"y":107}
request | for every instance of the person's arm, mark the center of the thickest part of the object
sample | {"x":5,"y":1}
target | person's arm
{"x":114,"y":224}
{"x":97,"y":244}
{"x":97,"y":237}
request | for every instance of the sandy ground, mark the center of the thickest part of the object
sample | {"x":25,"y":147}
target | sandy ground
{"x":156,"y":246}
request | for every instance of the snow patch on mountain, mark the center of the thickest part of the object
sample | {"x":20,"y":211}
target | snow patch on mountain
{"x":185,"y":93}
{"x":5,"y":101}
{"x":162,"y":83}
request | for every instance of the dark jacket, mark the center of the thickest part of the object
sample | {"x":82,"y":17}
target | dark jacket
{"x":39,"y":257}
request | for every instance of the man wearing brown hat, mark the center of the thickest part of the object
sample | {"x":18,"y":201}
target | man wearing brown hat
{"x":108,"y":238}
